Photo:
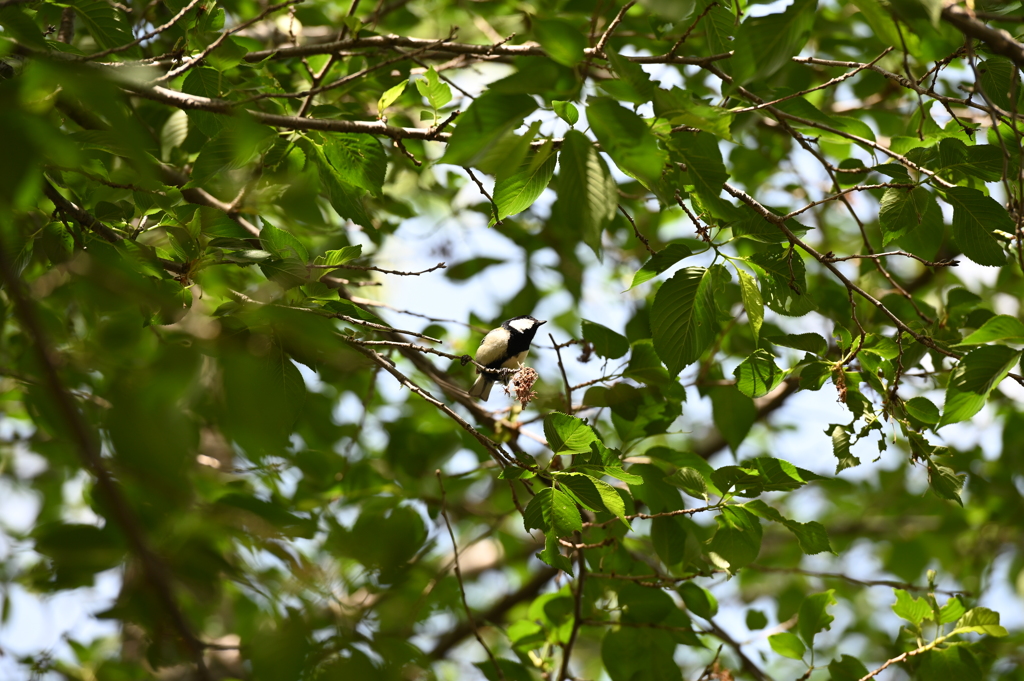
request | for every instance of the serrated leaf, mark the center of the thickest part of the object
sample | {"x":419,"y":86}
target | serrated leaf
{"x":631,"y":72}
{"x":690,"y":481}
{"x":592,"y":493}
{"x":488,"y":119}
{"x":808,"y":342}
{"x":752,"y":302}
{"x":680,"y":107}
{"x":951,"y":611}
{"x":587,"y":194}
{"x":517,"y":192}
{"x":173,"y":133}
{"x":758,"y":374}
{"x":811,"y":536}
{"x":981,"y":621}
{"x":904,"y":210}
{"x":975,"y":217}
{"x":841,"y":447}
{"x":737,"y":541}
{"x":626,"y":138}
{"x":552,"y":510}
{"x":913,"y":610}
{"x":434,"y":90}
{"x":358,"y":159}
{"x":346,"y":199}
{"x":568,"y":434}
{"x":767,"y":43}
{"x":340,"y":256}
{"x":659,"y":262}
{"x":552,"y":554}
{"x":561,"y":39}
{"x":973,"y":378}
{"x":922,"y":409}
{"x":995,"y":329}
{"x":946,"y":482}
{"x":705,"y":168}
{"x":784,"y":289}
{"x":105,"y":24}
{"x":683,"y":317}
{"x":699,"y":601}
{"x":607,"y":343}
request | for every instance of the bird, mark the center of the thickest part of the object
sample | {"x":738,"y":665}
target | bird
{"x":504,"y":347}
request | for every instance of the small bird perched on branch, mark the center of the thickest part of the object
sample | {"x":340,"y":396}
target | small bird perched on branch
{"x":504,"y":347}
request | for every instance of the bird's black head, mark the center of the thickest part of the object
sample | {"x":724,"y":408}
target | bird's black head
{"x":525,"y":326}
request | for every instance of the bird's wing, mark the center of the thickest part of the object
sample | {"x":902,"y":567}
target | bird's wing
{"x":493,"y":346}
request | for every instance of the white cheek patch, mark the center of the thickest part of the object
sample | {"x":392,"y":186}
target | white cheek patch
{"x":492,"y":346}
{"x":522,"y":325}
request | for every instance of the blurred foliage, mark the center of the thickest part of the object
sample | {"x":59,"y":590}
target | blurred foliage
{"x":194,"y":200}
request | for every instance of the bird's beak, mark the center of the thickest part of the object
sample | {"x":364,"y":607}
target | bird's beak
{"x":543,"y":321}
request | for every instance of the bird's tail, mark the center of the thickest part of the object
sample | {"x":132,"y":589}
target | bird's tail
{"x":481,"y":389}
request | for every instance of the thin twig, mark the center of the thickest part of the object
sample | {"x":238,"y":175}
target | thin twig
{"x":577,"y":618}
{"x":565,"y":377}
{"x":648,"y":516}
{"x":599,"y":47}
{"x":371,"y":268}
{"x":863,"y":582}
{"x":458,"y":576}
{"x":480,"y":185}
{"x":636,"y":231}
{"x":155,"y":32}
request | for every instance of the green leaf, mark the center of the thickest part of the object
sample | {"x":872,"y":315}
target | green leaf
{"x":787,"y":645}
{"x":639,"y":654}
{"x":587,"y":194}
{"x":811,"y":536}
{"x":607,"y":343}
{"x":975,"y":217}
{"x":691,"y":481}
{"x":904,"y":210}
{"x":517,"y":192}
{"x":552,"y":553}
{"x":683,"y":317}
{"x":434,"y":90}
{"x":945,"y":482}
{"x":814,"y":616}
{"x":752,"y":302}
{"x":733,"y":412}
{"x":340,"y":256}
{"x":765,"y":44}
{"x":488,"y":119}
{"x":173,"y":133}
{"x":847,"y":669}
{"x":561,"y":39}
{"x":593,"y":493}
{"x":913,"y":610}
{"x":359,"y":160}
{"x":21,"y":27}
{"x":552,"y":510}
{"x":995,"y":329}
{"x":105,"y":24}
{"x":680,"y":107}
{"x":390,"y":96}
{"x":631,"y":72}
{"x":346,"y":199}
{"x":282,"y":244}
{"x":756,"y":620}
{"x":922,"y":409}
{"x":737,"y":541}
{"x":973,"y":378}
{"x":567,"y":111}
{"x":951,"y":611}
{"x":758,"y":374}
{"x":784,"y":290}
{"x":808,"y":342}
{"x":981,"y":621}
{"x":568,"y":434}
{"x":841,"y":447}
{"x":470,"y":268}
{"x":942,"y":664}
{"x":671,"y":10}
{"x":705,"y":168}
{"x":659,"y":262}
{"x":700,"y":602}
{"x":626,"y":138}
